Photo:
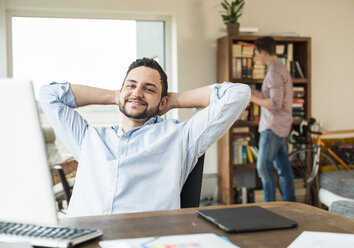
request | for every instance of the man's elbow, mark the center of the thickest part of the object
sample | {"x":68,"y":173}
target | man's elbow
{"x":46,"y":95}
{"x":246,"y":93}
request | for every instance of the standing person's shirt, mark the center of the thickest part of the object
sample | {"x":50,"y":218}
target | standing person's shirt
{"x":278,"y":87}
{"x":143,"y":169}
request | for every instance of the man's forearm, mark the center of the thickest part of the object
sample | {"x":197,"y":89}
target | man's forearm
{"x":264,"y":102}
{"x":196,"y":98}
{"x":86,"y":95}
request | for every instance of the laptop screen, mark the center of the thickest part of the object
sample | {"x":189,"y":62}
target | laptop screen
{"x":26,"y":193}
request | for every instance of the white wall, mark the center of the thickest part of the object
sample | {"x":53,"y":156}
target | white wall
{"x":198,"y":24}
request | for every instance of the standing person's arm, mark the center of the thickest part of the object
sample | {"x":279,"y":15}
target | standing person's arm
{"x":276,"y":92}
{"x":257,"y":98}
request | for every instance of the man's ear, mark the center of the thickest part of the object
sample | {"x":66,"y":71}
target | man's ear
{"x":163,"y":103}
{"x":264,"y":53}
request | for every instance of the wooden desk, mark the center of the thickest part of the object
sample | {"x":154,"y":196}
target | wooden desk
{"x":186,"y":221}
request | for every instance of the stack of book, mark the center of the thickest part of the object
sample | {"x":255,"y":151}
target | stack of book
{"x":242,"y":56}
{"x":259,"y":69}
{"x":299,"y":103}
{"x":241,"y":150}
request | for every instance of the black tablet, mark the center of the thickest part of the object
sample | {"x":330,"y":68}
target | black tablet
{"x":245,"y":219}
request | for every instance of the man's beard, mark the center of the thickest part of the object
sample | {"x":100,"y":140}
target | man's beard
{"x":144,"y":115}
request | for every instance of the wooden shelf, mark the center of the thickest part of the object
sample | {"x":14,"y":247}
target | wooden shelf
{"x":245,"y":123}
{"x":256,"y":123}
{"x":260,"y":81}
{"x":245,"y":166}
{"x":302,"y":54}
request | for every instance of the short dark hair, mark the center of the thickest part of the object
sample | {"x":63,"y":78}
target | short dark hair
{"x":267,"y":44}
{"x":151,"y":63}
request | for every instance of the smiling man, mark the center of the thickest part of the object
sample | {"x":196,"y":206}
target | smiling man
{"x":143,"y":164}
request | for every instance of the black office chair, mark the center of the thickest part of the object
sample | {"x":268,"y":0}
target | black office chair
{"x":190,"y":194}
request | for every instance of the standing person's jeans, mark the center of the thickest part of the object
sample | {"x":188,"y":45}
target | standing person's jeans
{"x":273,"y":148}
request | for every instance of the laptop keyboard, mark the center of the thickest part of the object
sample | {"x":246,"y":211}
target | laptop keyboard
{"x":44,"y":235}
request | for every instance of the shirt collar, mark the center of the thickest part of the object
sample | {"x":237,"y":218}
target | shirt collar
{"x":152,"y":120}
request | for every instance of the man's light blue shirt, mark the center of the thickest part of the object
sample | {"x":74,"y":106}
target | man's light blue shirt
{"x":145,"y":168}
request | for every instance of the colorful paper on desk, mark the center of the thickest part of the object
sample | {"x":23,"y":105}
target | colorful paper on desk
{"x":323,"y":240}
{"x":204,"y":240}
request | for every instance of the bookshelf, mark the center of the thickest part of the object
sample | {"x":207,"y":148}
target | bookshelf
{"x":227,"y":71}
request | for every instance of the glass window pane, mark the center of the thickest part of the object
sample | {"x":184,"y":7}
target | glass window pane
{"x":95,"y":52}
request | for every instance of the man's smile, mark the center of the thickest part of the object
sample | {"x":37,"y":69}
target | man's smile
{"x":136,"y":102}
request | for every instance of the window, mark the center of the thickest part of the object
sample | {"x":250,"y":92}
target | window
{"x":95,"y":52}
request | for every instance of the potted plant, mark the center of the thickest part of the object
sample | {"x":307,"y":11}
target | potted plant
{"x":232,"y":11}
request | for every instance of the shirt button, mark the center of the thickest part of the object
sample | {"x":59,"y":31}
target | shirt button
{"x":123,"y":139}
{"x":121,"y":156}
{"x":106,"y":212}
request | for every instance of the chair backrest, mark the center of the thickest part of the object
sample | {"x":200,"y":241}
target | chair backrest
{"x":190,"y":194}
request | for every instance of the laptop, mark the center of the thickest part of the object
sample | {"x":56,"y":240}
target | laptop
{"x":245,"y":219}
{"x":26,"y":188}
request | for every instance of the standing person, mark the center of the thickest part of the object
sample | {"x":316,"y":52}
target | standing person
{"x":275,"y":100}
{"x":143,"y":164}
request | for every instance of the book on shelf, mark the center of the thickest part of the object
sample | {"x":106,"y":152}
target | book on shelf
{"x":280,"y":49}
{"x":299,"y":71}
{"x":243,"y":195}
{"x":254,"y":151}
{"x":289,"y":55}
{"x":298,"y":88}
{"x":245,"y":67}
{"x":292,"y":69}
{"x":254,"y":112}
{"x":236,"y":50}
{"x":247,"y":44}
{"x":298,"y":105}
{"x":237,"y":152}
{"x":249,"y":154}
{"x":249,"y":68}
{"x":301,"y":109}
{"x":236,"y":67}
{"x":299,"y":94}
{"x":243,"y":50}
{"x":298,"y":100}
{"x":245,"y":114}
{"x":295,"y":70}
{"x":259,"y":69}
{"x":242,"y":153}
{"x":241,"y":136}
